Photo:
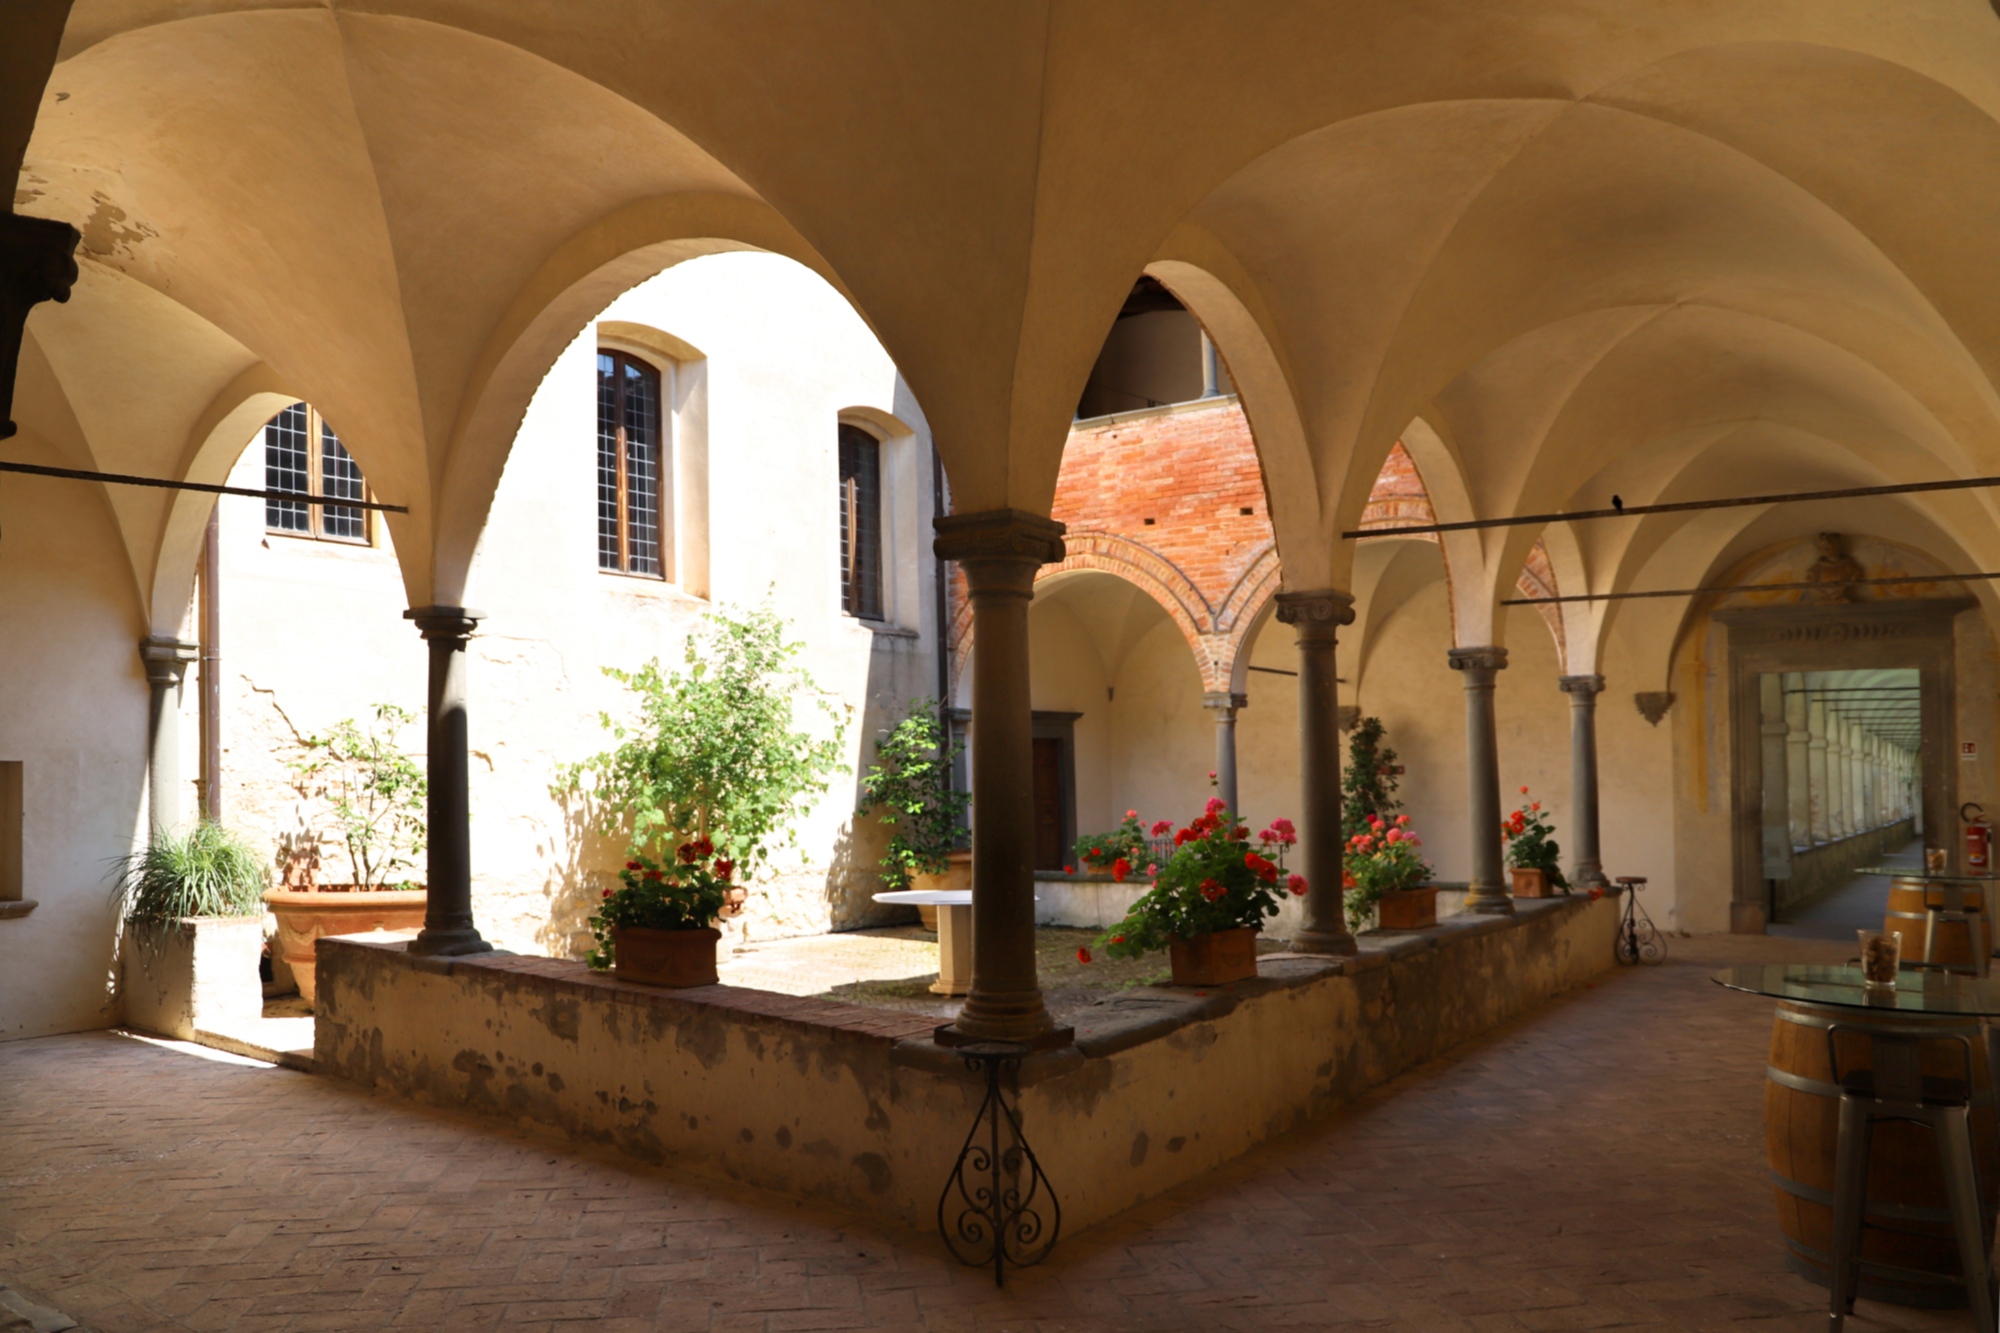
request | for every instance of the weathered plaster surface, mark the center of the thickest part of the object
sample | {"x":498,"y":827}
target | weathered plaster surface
{"x":858,"y":1107}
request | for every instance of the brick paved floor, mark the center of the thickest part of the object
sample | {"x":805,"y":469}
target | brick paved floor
{"x":1598,"y":1165}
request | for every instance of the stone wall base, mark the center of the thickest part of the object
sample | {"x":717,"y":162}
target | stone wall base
{"x":858,"y":1108}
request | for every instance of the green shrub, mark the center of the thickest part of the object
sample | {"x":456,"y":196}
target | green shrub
{"x":910,"y":783}
{"x":205,"y":871}
{"x":376,"y":793}
{"x":712,"y":753}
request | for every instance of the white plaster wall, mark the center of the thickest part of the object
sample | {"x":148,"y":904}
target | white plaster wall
{"x":1267,"y":729}
{"x":73,"y":712}
{"x":314,"y":630}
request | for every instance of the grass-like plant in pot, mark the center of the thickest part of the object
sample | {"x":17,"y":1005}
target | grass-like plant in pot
{"x":205,"y":871}
{"x":708,"y":772}
{"x":1532,"y":851}
{"x":1384,"y":877}
{"x":372,"y":795}
{"x":193,"y":918}
{"x":1210,"y":900}
{"x":909,"y":788}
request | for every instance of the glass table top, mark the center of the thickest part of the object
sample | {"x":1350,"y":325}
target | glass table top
{"x":1917,"y":992}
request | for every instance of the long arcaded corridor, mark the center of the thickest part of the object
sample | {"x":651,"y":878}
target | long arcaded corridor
{"x":1597,"y":1165}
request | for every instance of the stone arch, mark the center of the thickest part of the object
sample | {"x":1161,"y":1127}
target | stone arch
{"x":1213,"y":634}
{"x":582,"y":277}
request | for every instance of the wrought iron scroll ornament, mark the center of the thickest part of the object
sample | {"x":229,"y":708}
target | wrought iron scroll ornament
{"x":992,"y":1205}
{"x":1638,"y":941}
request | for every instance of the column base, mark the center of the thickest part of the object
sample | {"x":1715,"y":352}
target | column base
{"x":947,"y":1034}
{"x":1591,"y":877}
{"x":1489,"y":900}
{"x":1324,"y":942}
{"x":449,"y":943}
{"x":1017,"y":1016}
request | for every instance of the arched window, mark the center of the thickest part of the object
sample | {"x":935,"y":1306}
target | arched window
{"x":302,"y":454}
{"x":632,"y":513}
{"x":860,"y":523}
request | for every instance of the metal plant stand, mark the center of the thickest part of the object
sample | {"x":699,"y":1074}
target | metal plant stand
{"x":991,"y":1208}
{"x":1638,"y":941}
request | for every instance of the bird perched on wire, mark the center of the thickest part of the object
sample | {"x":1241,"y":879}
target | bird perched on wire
{"x":1618,"y":503}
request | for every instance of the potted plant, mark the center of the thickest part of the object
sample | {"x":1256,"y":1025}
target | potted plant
{"x":712,"y":760}
{"x":658,"y":926}
{"x":193,"y":929}
{"x":1209,"y":900}
{"x":1383,"y":874}
{"x":1532,"y":852}
{"x":373,"y":794}
{"x":1123,"y":850}
{"x":910,"y":785}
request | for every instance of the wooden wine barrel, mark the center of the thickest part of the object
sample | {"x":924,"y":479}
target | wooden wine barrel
{"x":1906,"y":917}
{"x":1905,"y":1183}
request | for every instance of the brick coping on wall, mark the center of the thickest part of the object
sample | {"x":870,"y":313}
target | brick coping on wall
{"x":1122,"y":1021}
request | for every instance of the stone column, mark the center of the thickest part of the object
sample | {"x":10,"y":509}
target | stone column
{"x":1588,"y":859}
{"x":166,"y":662}
{"x":1816,"y":770}
{"x":1836,"y":776}
{"x":1774,"y":817}
{"x":1224,"y":707}
{"x":1798,"y":782}
{"x":448,"y":927}
{"x":37,"y":263}
{"x":1857,"y":777}
{"x":1317,"y":616}
{"x":1489,"y":894}
{"x":999,"y":550}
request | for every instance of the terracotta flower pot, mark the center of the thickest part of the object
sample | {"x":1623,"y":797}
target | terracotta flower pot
{"x":1215,"y":959}
{"x":1531,"y":883}
{"x":959,"y":876}
{"x":1408,"y":909}
{"x":665,"y":957}
{"x":304,"y":915}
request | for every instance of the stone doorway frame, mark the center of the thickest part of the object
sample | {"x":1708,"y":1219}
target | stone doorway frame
{"x":1917,"y":633}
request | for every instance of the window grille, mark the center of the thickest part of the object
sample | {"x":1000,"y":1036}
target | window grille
{"x":860,"y":523}
{"x":302,"y":453}
{"x":632,"y":534}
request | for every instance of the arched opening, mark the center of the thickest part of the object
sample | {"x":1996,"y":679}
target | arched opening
{"x":1156,"y":354}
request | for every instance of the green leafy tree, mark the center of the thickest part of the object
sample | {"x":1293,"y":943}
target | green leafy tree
{"x":374,"y":790}
{"x":910,"y":785}
{"x":713,"y":751}
{"x":1369,"y":780}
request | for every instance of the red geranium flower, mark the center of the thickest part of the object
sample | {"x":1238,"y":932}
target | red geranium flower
{"x":1120,"y":869}
{"x":1297,"y":884}
{"x":631,"y":865}
{"x":724,"y":869}
{"x":1082,"y":955}
{"x":1162,"y":827}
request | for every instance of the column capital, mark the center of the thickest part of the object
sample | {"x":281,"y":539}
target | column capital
{"x":166,"y":658}
{"x":445,"y":622}
{"x":1316,"y":613}
{"x":1477,"y":659}
{"x":1221,"y":699}
{"x":37,"y":263}
{"x":1592,"y":684}
{"x":998,"y":534}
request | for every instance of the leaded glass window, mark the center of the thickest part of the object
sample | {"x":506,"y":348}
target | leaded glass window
{"x":303,"y":455}
{"x":632,"y":533}
{"x":860,"y":523}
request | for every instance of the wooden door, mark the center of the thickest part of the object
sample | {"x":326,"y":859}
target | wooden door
{"x":1049,"y":850}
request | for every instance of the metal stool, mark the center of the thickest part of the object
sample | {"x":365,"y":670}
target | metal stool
{"x":1959,"y":904}
{"x":1895,"y":1088}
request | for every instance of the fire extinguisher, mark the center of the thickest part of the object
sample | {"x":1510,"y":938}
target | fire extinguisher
{"x":1978,"y":839}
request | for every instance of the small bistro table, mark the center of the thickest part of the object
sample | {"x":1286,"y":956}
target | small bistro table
{"x":954,"y":933}
{"x":1916,"y":1264}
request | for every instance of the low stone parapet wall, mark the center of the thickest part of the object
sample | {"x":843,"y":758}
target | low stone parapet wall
{"x":1826,"y":867}
{"x":858,"y":1107}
